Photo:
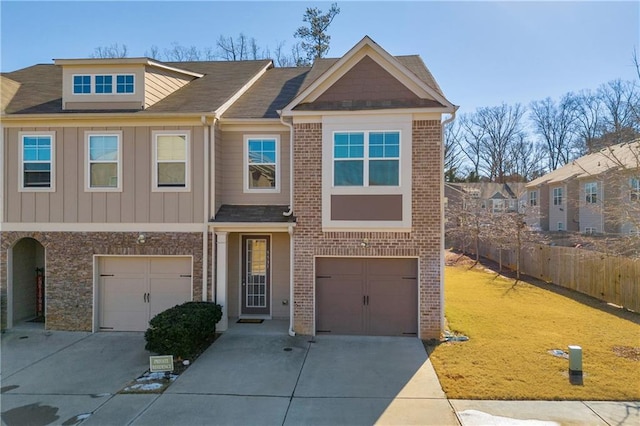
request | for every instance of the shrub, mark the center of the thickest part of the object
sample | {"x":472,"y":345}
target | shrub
{"x":184,"y":330}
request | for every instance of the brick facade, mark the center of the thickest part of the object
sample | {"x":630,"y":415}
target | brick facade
{"x":423,"y":242}
{"x":69,"y":267}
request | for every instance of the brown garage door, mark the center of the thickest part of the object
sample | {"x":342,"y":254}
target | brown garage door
{"x":369,"y":296}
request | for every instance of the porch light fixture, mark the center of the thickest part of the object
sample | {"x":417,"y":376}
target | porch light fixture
{"x":365,"y":243}
{"x":142,"y":239}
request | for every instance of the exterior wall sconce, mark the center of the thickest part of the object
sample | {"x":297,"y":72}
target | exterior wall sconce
{"x":364,"y":243}
{"x":142,"y":239}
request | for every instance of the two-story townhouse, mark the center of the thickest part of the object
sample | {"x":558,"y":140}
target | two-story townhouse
{"x":593,"y":194}
{"x":312,"y":194}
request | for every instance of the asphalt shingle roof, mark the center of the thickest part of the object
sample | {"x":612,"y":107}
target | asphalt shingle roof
{"x":229,"y":213}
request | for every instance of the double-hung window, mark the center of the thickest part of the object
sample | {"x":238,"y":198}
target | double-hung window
{"x":591,"y":192}
{"x":261,"y":164}
{"x":634,"y":183}
{"x":366,"y":158}
{"x":104,"y":161}
{"x":533,"y":198}
{"x":171,"y":161}
{"x":557,"y":196}
{"x":36,"y":168}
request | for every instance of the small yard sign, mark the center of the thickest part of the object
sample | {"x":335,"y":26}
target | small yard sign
{"x":161,"y":363}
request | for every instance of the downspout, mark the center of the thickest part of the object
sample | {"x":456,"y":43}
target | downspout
{"x":291,"y":245}
{"x":444,"y":123}
{"x":212,"y":203}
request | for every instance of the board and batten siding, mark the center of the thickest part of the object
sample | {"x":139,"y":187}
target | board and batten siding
{"x":591,"y":214}
{"x":136,"y":203}
{"x":230,"y":161}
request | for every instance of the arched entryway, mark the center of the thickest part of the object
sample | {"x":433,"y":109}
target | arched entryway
{"x":26,"y":282}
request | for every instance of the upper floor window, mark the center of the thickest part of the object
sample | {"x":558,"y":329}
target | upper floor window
{"x":533,"y":198}
{"x":366,"y":158}
{"x":634,"y":183}
{"x":104,"y":161}
{"x":497,"y":206}
{"x":560,"y":226}
{"x":104,"y":84}
{"x":591,"y":192}
{"x":81,"y":84}
{"x":261,"y":164}
{"x":171,"y":161}
{"x":36,"y":166}
{"x":124,"y":83}
{"x":557,"y":196}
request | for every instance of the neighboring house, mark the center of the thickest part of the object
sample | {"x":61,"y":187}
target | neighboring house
{"x":490,"y":196}
{"x":596,"y":193}
{"x":312,"y":194}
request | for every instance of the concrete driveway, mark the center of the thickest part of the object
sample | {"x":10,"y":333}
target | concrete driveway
{"x":254,"y":374}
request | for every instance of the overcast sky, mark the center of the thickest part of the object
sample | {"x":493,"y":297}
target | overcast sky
{"x":481,"y":53}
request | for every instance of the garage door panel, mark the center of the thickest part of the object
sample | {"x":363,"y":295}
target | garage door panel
{"x":166,"y":293}
{"x":340,"y":305}
{"x":335,"y":266}
{"x":169,"y":265}
{"x":392,"y":267}
{"x":393,"y":307}
{"x":122,"y":304}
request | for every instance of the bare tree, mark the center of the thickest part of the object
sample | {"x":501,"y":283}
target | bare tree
{"x":113,"y":51}
{"x":452,"y":153}
{"x":620,"y":99}
{"x":153,"y":53}
{"x":315,"y":40}
{"x":589,"y":120}
{"x":525,"y":159}
{"x":554,"y":123}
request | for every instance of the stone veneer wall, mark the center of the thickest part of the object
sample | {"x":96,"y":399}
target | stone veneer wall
{"x":423,"y":242}
{"x":69,"y":267}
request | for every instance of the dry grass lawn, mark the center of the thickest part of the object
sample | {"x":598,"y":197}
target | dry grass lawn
{"x":512,"y":326}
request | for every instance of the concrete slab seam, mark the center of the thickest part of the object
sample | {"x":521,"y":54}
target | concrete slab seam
{"x":293,"y":392}
{"x":144,"y":410}
{"x":596,"y":413}
{"x":455,"y":412}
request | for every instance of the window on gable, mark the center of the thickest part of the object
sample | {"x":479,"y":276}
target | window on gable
{"x":81,"y":84}
{"x":171,"y":154}
{"x":557,"y":196}
{"x":634,"y":183}
{"x":533,"y":198}
{"x":261,"y":163}
{"x":104,"y":84}
{"x":124,"y":83}
{"x":366,"y":158}
{"x":37,"y":162}
{"x":103,"y":168}
{"x":591,"y":192}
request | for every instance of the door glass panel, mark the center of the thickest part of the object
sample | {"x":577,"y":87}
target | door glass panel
{"x":256,"y":267}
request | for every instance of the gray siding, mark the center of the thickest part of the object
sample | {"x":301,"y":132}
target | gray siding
{"x":557,"y":213}
{"x":230,"y":169}
{"x":137,"y":203}
{"x":590,"y":214}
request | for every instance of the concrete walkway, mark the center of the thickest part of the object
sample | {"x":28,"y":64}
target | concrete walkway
{"x":256,"y":374}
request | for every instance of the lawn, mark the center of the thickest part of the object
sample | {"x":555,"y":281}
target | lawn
{"x":512,"y":326}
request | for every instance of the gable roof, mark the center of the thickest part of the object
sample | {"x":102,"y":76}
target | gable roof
{"x":624,"y":155}
{"x":410,"y":69}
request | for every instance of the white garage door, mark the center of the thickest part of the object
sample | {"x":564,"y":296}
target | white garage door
{"x":132,"y":290}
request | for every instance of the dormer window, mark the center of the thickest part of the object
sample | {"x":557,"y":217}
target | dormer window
{"x":81,"y":84}
{"x":103,"y":84}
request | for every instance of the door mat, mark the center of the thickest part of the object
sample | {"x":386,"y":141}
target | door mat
{"x":250,"y":321}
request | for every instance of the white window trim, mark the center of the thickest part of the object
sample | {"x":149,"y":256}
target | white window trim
{"x":634,"y":189}
{"x":114,"y":85}
{"x":553,"y":196}
{"x":154,"y":165}
{"x":366,"y":159}
{"x":73,"y":76}
{"x":52,"y":186}
{"x":372,"y":123}
{"x":596,"y":193}
{"x":87,"y":180}
{"x":533,"y":196}
{"x":245,"y":165}
{"x":561,"y":226}
{"x":590,"y":230}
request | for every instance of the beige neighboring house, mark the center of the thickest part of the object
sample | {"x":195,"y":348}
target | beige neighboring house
{"x":490,"y":196}
{"x":597,"y":193}
{"x":312,"y":194}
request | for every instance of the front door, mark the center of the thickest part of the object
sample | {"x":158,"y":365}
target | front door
{"x":256,"y":285}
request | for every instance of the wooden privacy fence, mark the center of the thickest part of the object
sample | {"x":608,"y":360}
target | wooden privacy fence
{"x":613,"y":279}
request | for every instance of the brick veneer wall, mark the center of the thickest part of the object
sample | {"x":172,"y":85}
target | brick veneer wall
{"x":423,"y":242}
{"x":69,"y":267}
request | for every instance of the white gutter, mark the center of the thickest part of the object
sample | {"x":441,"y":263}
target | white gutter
{"x":291,"y":245}
{"x":444,"y":123}
{"x":205,"y":213}
{"x":1,"y":178}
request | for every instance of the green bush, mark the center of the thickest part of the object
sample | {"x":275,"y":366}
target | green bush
{"x":184,"y":330}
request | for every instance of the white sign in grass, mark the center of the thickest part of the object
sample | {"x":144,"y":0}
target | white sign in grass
{"x":160,"y":363}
